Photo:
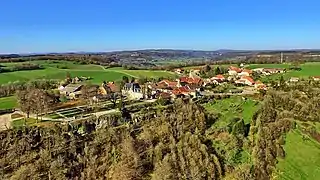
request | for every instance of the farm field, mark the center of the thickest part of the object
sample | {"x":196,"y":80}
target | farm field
{"x":59,"y":69}
{"x":8,"y":102}
{"x":307,"y":70}
{"x":302,"y":159}
{"x":233,"y":107}
{"x":142,"y":73}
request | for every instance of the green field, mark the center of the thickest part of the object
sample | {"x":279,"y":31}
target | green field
{"x":302,"y":159}
{"x":142,"y":73}
{"x":8,"y":102}
{"x":59,"y":69}
{"x":18,"y":124}
{"x":232,"y":108}
{"x":253,"y":66}
{"x":307,"y":70}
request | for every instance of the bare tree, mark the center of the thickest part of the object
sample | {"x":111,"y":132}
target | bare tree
{"x":34,"y":101}
{"x":25,"y":105}
{"x":88,"y":92}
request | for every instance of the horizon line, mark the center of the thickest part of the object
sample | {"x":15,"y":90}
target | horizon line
{"x":157,"y":49}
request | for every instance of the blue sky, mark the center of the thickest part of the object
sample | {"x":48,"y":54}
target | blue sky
{"x":104,"y":25}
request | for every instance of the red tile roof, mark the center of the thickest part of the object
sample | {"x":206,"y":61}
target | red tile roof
{"x":232,"y":68}
{"x":184,"y":79}
{"x":219,"y":76}
{"x":248,"y":78}
{"x":190,"y":80}
{"x":168,"y":83}
{"x":248,"y":71}
{"x":113,"y":87}
{"x":181,"y":90}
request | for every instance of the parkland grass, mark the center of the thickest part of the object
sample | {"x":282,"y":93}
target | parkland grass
{"x":8,"y":102}
{"x":302,"y":159}
{"x":58,"y":70}
{"x":307,"y":70}
{"x":233,"y":107}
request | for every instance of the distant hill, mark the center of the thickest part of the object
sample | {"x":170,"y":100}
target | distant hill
{"x":148,"y":57}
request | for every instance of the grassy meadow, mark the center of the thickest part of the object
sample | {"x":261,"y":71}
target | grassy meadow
{"x":142,"y":73}
{"x":8,"y":102}
{"x":307,"y":70}
{"x":233,"y":107}
{"x":59,"y":69}
{"x":302,"y":159}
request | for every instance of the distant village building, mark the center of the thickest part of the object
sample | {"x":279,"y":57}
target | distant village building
{"x":107,"y":88}
{"x":72,"y":91}
{"x":245,"y":72}
{"x":316,"y":78}
{"x":132,"y":90}
{"x":233,"y":71}
{"x":179,"y":71}
{"x":218,"y":79}
{"x":294,"y":79}
{"x":171,"y":84}
{"x":258,"y":70}
{"x":269,"y":71}
{"x":191,"y":80}
{"x":245,"y":80}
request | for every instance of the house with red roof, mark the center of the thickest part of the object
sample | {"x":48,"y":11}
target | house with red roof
{"x":245,"y":80}
{"x":269,"y":71}
{"x":184,"y":90}
{"x":191,"y":80}
{"x":316,"y":78}
{"x":107,"y":88}
{"x":233,"y":71}
{"x":245,"y":72}
{"x":218,"y":78}
{"x":171,"y":84}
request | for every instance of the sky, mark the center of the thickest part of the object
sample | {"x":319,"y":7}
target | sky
{"x":37,"y":26}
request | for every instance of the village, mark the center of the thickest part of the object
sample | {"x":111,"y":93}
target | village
{"x":80,"y":99}
{"x":188,"y":84}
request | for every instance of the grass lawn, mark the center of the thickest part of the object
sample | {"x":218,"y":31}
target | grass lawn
{"x":8,"y":102}
{"x":231,"y":108}
{"x":142,"y":73}
{"x":308,"y":69}
{"x":253,"y":66}
{"x":19,"y":123}
{"x":302,"y":159}
{"x":98,"y":74}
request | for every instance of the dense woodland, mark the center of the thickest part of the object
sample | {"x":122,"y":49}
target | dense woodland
{"x":178,"y":141}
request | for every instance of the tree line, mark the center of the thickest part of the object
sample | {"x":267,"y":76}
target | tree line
{"x":20,"y":67}
{"x":10,"y":89}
